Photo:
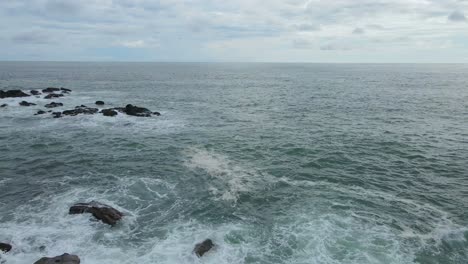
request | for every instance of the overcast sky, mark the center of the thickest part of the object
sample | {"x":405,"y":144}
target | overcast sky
{"x":235,"y":30}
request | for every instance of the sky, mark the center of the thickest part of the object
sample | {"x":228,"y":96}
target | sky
{"x":235,"y":30}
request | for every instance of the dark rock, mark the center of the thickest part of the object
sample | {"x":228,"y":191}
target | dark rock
{"x":65,"y":90}
{"x":137,"y":111}
{"x":42,"y":248}
{"x":53,"y":95}
{"x":40,"y":112}
{"x":24,"y":103}
{"x":156,"y":113}
{"x":12,"y":93}
{"x":81,"y":110}
{"x":50,"y":90}
{"x":203,"y":247}
{"x":63,"y":259}
{"x":53,"y":104}
{"x":100,"y":211}
{"x":57,"y":114}
{"x":109,"y":112}
{"x":3,"y":105}
{"x":80,"y":106}
{"x":5,"y":247}
{"x":120,"y":109}
{"x":99,"y":103}
{"x":34,"y":92}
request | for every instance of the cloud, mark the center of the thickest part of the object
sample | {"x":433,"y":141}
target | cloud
{"x":457,"y":16}
{"x":358,"y":31}
{"x":307,"y":27}
{"x":32,"y":37}
{"x":136,"y":44}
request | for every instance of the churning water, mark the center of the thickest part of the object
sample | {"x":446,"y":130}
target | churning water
{"x":276,"y":163}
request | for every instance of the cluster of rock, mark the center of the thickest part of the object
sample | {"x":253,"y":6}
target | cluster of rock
{"x":53,"y":92}
{"x":108,"y":215}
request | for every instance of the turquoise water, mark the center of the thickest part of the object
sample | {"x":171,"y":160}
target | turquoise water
{"x":276,"y":163}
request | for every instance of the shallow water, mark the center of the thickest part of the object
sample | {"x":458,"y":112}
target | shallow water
{"x":276,"y":163}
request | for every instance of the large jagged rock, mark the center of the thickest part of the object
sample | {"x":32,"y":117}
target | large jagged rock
{"x":5,"y":247}
{"x":53,"y":104}
{"x":100,"y":211}
{"x":203,"y":247}
{"x":109,"y":112}
{"x":24,"y":103}
{"x":12,"y":93}
{"x":50,"y":90}
{"x":81,"y":110}
{"x":53,"y":95}
{"x":63,"y":259}
{"x":137,"y":111}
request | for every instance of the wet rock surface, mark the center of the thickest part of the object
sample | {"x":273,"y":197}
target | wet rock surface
{"x":100,"y":211}
{"x":40,"y":112}
{"x":50,"y":90}
{"x":53,"y":104}
{"x":99,"y":103}
{"x":3,"y":105}
{"x":109,"y":112}
{"x":12,"y":94}
{"x":203,"y":247}
{"x":137,"y":111}
{"x":24,"y":103}
{"x":5,"y":247}
{"x":80,"y":110}
{"x":63,"y":259}
{"x":53,"y":95}
{"x":35,"y":92}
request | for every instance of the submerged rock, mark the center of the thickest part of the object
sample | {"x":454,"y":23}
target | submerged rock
{"x":57,"y":114}
{"x":65,"y":90}
{"x":53,"y":104}
{"x":100,"y":211}
{"x":156,"y":113}
{"x":12,"y":93}
{"x":40,"y":112}
{"x":99,"y":103}
{"x":203,"y":247}
{"x":50,"y":90}
{"x":80,"y":110}
{"x":109,"y":112}
{"x":3,"y":105}
{"x":24,"y":103}
{"x":34,"y":92}
{"x":53,"y":95}
{"x":5,"y":247}
{"x":63,"y":259}
{"x":137,"y":111}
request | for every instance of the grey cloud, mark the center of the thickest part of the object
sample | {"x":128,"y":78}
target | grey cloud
{"x":33,"y":37}
{"x":457,"y":16}
{"x":358,"y":31}
{"x":332,"y":47}
{"x":307,"y":27}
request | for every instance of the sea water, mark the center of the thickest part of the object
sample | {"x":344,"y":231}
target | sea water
{"x":276,"y":163}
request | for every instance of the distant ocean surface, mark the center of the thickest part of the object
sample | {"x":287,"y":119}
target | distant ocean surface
{"x":276,"y":163}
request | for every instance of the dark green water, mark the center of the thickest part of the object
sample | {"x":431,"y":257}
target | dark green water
{"x":277,"y":163}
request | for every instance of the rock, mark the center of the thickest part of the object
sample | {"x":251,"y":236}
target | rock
{"x":40,"y":112}
{"x":53,"y":95}
{"x":50,"y":90}
{"x":100,"y":211}
{"x":24,"y":103}
{"x":63,"y":259}
{"x":5,"y":247}
{"x":137,"y":111}
{"x":53,"y":104}
{"x":57,"y":114}
{"x":3,"y":105}
{"x":156,"y":113}
{"x":109,"y":112}
{"x":65,"y":90}
{"x":203,"y":247}
{"x":34,"y":92}
{"x":99,"y":103}
{"x":12,"y":93}
{"x":81,"y":110}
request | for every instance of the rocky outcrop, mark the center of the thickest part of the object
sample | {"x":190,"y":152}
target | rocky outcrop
{"x":203,"y":247}
{"x":50,"y":90}
{"x":24,"y":103}
{"x":12,"y":93}
{"x":100,"y":211}
{"x":109,"y":112}
{"x":57,"y":114}
{"x":53,"y":104}
{"x":99,"y":103}
{"x":53,"y":95}
{"x":80,"y":110}
{"x":63,"y":259}
{"x":34,"y":92}
{"x":137,"y":111}
{"x":5,"y":247}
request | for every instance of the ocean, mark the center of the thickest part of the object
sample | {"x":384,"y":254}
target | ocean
{"x":276,"y":163}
